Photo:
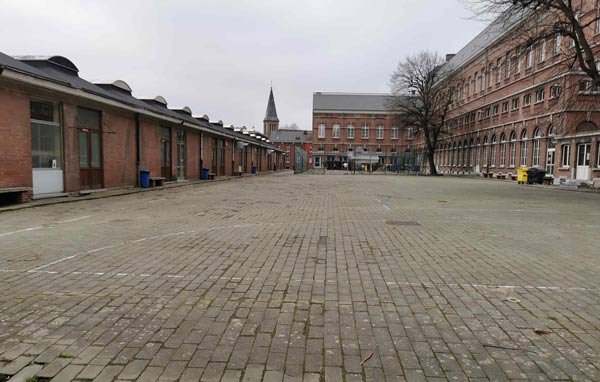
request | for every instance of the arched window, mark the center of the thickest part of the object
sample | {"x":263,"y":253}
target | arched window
{"x":453,"y":163}
{"x":523,"y":162}
{"x":464,"y":153}
{"x":493,"y":152}
{"x":486,"y":149}
{"x":502,"y":150}
{"x":478,"y":158}
{"x":512,"y":149}
{"x":536,"y":147}
{"x":471,"y":153}
{"x":459,"y":154}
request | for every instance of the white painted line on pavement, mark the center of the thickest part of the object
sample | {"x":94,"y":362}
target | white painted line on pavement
{"x":21,"y":230}
{"x":74,"y":220}
{"x":386,"y":207}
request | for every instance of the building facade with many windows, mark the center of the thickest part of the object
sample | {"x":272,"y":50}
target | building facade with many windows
{"x":357,"y":129}
{"x":518,"y":104}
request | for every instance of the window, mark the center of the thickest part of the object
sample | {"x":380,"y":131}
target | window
{"x":515,"y":103}
{"x":542,"y":52}
{"x":489,"y":75}
{"x":518,"y":64}
{"x":493,"y":153}
{"x":512,"y":149}
{"x":505,"y":107}
{"x":536,"y":147}
{"x":482,"y":82}
{"x":557,"y":41}
{"x":468,"y":87}
{"x":379,"y":131}
{"x":350,"y":131}
{"x":507,"y":66}
{"x":46,"y":135}
{"x":474,"y":84}
{"x":409,"y":133}
{"x":566,"y":155}
{"x":365,"y":132}
{"x":587,"y":87}
{"x":502,"y":150}
{"x":526,"y":100}
{"x":524,"y":148}
{"x":539,"y":95}
{"x":496,"y":109}
{"x":336,"y":131}
{"x":555,"y":91}
{"x":394,"y":132}
{"x":321,"y":130}
{"x":529,"y":58}
{"x":317,"y":161}
{"x":498,"y":70}
{"x":486,"y":148}
{"x":335,"y":149}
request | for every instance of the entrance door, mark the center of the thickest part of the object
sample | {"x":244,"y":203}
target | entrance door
{"x":550,"y":161}
{"x":213,"y":156}
{"x":221,"y":157}
{"x":90,"y":149}
{"x":583,"y":161}
{"x":165,"y":153}
{"x":46,"y":148}
{"x":180,"y":155}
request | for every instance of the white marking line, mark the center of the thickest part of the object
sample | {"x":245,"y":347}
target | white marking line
{"x":21,"y":230}
{"x":138,"y":241}
{"x":74,"y":220}
{"x":552,"y":288}
{"x":386,"y":207}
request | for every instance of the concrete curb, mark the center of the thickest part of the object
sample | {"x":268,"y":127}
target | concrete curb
{"x":126,"y":191}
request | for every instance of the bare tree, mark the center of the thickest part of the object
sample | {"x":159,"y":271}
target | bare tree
{"x":421,"y":98}
{"x":291,"y":126}
{"x":538,"y":20}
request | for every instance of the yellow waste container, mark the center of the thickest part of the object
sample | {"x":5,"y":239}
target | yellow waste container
{"x":522,"y":175}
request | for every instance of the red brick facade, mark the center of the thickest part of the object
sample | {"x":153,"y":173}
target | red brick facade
{"x":118,"y":141}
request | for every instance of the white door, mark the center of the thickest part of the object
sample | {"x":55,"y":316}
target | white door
{"x":550,"y":162}
{"x":46,"y":150}
{"x":583,"y":161}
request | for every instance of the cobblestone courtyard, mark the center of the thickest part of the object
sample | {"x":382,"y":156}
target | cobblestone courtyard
{"x":285,"y":278}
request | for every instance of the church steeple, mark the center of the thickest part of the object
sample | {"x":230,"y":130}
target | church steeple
{"x":271,"y":121}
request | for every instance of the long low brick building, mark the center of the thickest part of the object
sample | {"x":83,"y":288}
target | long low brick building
{"x":61,"y":134}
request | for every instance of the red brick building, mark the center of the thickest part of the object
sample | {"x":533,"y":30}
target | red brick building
{"x":357,"y":129}
{"x":523,"y":106}
{"x":61,"y":133}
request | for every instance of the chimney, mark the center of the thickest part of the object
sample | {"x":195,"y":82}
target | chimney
{"x":450,"y":56}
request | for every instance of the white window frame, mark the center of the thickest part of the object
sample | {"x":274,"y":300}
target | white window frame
{"x":523,"y":156}
{"x":518,"y":63}
{"x":542,"y":52}
{"x":350,"y":131}
{"x":321,"y":130}
{"x":537,"y":144}
{"x":527,"y":100}
{"x":364,"y":133}
{"x":394,"y":132}
{"x":565,"y":151}
{"x":557,"y":42}
{"x":512,"y":155}
{"x":502,"y":161}
{"x":540,"y":95}
{"x":336,"y":131}
{"x":529,"y":58}
{"x":379,"y":132}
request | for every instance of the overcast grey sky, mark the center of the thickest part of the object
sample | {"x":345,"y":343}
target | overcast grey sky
{"x":220,"y":56}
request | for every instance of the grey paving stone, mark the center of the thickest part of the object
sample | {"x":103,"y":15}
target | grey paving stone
{"x":303,"y":277}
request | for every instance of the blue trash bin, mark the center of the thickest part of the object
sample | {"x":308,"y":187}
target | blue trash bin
{"x":204,"y":174}
{"x":145,"y":178}
{"x":254,"y":169}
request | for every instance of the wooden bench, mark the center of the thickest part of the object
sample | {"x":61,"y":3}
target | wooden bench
{"x":156,"y":181}
{"x":500,"y":176}
{"x":513,"y":176}
{"x":487,"y":174}
{"x":211,"y":175}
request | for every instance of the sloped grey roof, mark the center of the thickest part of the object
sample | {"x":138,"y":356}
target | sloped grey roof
{"x":497,"y":28}
{"x":281,"y":136}
{"x":351,"y":102}
{"x":55,"y":69}
{"x":271,"y":114}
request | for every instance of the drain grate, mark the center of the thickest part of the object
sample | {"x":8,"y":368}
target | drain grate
{"x":403,"y":222}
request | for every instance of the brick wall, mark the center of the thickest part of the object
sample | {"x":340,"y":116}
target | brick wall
{"x":15,"y":145}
